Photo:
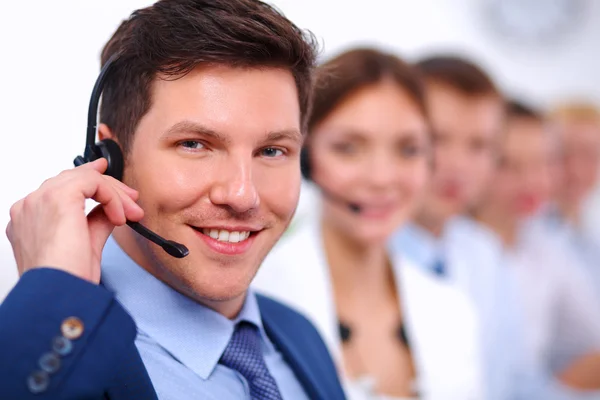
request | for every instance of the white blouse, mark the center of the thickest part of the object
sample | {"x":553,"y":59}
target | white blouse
{"x":439,"y":320}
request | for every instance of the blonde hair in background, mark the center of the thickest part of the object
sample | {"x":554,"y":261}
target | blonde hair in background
{"x":576,"y":111}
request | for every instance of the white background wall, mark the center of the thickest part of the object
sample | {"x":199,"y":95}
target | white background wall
{"x":49,"y":61}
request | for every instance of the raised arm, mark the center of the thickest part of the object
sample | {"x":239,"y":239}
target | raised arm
{"x":62,"y":335}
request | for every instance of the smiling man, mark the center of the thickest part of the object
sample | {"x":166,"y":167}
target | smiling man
{"x":207,"y":102}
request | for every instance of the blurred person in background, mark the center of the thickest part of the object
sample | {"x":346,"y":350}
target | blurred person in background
{"x":467,"y":114}
{"x":396,"y":331}
{"x":563,"y":321}
{"x":578,"y":129}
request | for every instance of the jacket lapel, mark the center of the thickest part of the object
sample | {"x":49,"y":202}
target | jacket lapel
{"x":132,"y":380}
{"x":291,"y":343}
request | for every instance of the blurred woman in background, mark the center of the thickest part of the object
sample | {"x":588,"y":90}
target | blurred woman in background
{"x":562,"y":317}
{"x":396,"y":331}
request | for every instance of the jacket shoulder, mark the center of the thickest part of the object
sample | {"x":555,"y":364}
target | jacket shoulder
{"x":303,"y":348}
{"x":282,"y":312}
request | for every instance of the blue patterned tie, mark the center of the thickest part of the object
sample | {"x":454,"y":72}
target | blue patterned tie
{"x":244,"y":354}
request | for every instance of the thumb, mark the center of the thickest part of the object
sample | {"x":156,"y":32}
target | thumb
{"x":100,"y":228}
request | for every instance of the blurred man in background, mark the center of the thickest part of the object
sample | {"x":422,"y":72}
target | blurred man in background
{"x":562,"y":332}
{"x":578,"y":129}
{"x":467,"y":114}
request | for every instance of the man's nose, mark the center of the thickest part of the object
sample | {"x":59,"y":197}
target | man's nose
{"x":234,"y":186}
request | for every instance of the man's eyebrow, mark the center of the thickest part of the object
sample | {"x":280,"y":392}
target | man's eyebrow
{"x":290,"y":134}
{"x":194,"y":128}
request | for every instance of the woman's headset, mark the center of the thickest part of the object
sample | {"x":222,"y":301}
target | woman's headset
{"x":306,"y":170}
{"x":305,"y":163}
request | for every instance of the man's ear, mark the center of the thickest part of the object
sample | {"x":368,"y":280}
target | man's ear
{"x":104,"y":132}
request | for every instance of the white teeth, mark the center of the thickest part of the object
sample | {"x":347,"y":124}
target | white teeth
{"x":226,"y":236}
{"x":223,"y":236}
{"x":234,"y":237}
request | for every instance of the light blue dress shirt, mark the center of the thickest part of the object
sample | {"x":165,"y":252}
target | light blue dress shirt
{"x":472,"y":260}
{"x":181,"y":341}
{"x":583,"y":246}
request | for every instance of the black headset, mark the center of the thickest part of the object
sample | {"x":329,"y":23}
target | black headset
{"x":111,"y":150}
{"x":305,"y":163}
{"x":306,"y":170}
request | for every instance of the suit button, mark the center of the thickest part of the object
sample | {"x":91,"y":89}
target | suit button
{"x":50,"y":363}
{"x":72,"y":328}
{"x":38,"y":382}
{"x":62,"y":346}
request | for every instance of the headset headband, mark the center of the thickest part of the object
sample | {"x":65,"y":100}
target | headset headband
{"x":92,"y":124}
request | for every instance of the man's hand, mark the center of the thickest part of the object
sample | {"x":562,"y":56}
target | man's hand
{"x":583,"y":373}
{"x":49,"y":228}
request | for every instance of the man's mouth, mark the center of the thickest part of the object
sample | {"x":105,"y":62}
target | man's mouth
{"x":235,"y":240}
{"x":223,"y":235}
{"x":451,"y":191}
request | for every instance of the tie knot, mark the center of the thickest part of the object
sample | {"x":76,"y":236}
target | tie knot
{"x":244,"y":353}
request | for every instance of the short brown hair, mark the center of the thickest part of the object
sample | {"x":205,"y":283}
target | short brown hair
{"x":172,"y":37}
{"x":459,"y":73}
{"x":357,"y":68}
{"x":518,"y":109}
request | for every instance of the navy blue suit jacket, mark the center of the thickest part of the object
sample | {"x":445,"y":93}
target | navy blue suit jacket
{"x":102,"y":361}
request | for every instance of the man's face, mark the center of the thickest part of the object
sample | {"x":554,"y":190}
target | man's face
{"x":465,"y":131}
{"x":581,"y":159}
{"x":523,"y":181}
{"x":216,"y":164}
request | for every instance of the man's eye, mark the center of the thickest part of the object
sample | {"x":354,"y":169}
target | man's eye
{"x":191,"y":144}
{"x":410,"y":150}
{"x":271,"y":152}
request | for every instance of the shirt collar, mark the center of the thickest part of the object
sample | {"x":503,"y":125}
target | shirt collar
{"x":192,"y":333}
{"x":417,"y":244}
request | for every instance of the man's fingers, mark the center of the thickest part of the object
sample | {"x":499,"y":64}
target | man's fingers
{"x":11,"y":238}
{"x":132,"y":210}
{"x":15,"y":209}
{"x":9,"y":231}
{"x":87,"y":172}
{"x":118,"y":205}
{"x":100,"y":228}
{"x":14,"y":212}
{"x":99,"y":189}
{"x":87,"y":181}
{"x":99,"y":165}
{"x":128,"y":190}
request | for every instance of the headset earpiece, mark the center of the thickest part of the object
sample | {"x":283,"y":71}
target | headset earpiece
{"x":305,"y":167}
{"x":110,"y":150}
